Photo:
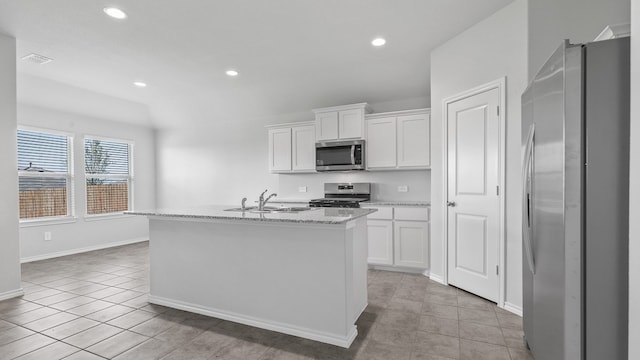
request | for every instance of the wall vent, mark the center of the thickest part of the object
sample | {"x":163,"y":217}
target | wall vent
{"x":37,"y":59}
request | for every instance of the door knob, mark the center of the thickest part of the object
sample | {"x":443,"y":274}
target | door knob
{"x":451,"y":203}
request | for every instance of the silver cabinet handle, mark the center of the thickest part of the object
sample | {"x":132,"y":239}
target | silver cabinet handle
{"x":527,"y":199}
{"x":451,"y":203}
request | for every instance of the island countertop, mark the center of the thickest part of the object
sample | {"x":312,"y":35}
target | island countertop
{"x":218,"y":212}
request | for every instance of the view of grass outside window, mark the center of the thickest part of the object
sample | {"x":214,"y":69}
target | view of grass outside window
{"x":108,"y":176}
{"x":44,"y":174}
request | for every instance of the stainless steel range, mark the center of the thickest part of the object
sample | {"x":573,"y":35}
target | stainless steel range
{"x":344,"y":195}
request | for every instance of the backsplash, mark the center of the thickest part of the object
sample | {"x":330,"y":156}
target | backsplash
{"x":384,"y":184}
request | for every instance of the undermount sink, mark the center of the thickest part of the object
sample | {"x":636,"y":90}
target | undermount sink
{"x":270,"y":209}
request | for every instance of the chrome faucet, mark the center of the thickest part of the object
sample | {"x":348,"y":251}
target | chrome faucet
{"x":244,"y":202}
{"x":262,"y":201}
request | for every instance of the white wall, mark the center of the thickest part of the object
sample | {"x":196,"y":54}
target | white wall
{"x":551,"y":21}
{"x":9,"y":244}
{"x":227,"y":160}
{"x":634,"y":192}
{"x":86,"y":234}
{"x":494,"y":48}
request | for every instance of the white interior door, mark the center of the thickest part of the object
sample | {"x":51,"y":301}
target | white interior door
{"x":473,"y":158}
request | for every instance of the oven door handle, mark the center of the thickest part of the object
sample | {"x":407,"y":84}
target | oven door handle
{"x":353,"y":154}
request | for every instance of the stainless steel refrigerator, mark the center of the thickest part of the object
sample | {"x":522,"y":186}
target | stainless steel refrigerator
{"x":575,"y":136}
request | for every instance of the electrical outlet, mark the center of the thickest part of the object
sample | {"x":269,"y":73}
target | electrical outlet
{"x":302,"y":189}
{"x":47,"y":236}
{"x":403,"y":188}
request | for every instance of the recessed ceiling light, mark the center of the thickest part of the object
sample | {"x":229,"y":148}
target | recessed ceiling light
{"x":139,"y":84}
{"x":378,"y":42}
{"x":115,"y":13}
{"x":232,"y":73}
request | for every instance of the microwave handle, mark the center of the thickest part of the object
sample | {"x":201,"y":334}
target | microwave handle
{"x":353,"y":154}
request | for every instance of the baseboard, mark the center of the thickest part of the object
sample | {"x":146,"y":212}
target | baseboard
{"x":512,"y":308}
{"x":11,"y":294}
{"x":437,"y":278}
{"x":81,"y":250}
{"x":327,"y":338}
{"x":400,"y":269}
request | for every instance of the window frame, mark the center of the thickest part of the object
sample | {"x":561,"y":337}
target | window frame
{"x":69,"y":176}
{"x":129,"y":177}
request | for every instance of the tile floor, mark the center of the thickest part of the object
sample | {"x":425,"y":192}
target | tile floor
{"x":94,"y":306}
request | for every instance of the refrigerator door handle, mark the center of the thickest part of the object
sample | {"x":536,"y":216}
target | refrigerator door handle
{"x":527,"y":199}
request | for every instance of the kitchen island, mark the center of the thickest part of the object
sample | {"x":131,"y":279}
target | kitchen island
{"x":299,"y":273}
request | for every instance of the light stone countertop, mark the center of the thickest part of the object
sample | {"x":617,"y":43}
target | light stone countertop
{"x":217,"y":212}
{"x":364,"y":204}
{"x":396,"y":203}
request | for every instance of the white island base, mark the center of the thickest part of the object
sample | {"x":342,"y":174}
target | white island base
{"x":303,"y":279}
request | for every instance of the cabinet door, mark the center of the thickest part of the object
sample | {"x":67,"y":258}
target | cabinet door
{"x":303,"y":148}
{"x":380,"y":239}
{"x":411,"y":244}
{"x":327,"y":126}
{"x":350,"y":124}
{"x":381,"y":143}
{"x":280,"y":150}
{"x":414,"y":134}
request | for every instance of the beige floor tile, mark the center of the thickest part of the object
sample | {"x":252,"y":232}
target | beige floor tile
{"x":55,"y":351}
{"x":151,"y":349}
{"x":117,"y":344}
{"x":71,"y":328}
{"x":13,"y":334}
{"x":92,"y":336}
{"x":50,"y":321}
{"x":473,"y":350}
{"x":32,"y":315}
{"x":436,"y":344}
{"x":482,"y":333}
{"x":478,"y":316}
{"x":439,"y":325}
{"x":24,"y":346}
{"x":110,"y":313}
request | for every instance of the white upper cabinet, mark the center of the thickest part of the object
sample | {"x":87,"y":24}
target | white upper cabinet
{"x":381,"y":143}
{"x":327,"y":125}
{"x":398,"y":140}
{"x":292,"y":148}
{"x":303,"y":148}
{"x":414,"y":134}
{"x":340,"y":122}
{"x":280,"y":149}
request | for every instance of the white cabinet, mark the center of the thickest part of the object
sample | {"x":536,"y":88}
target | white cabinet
{"x":398,"y":237}
{"x":398,"y":140}
{"x":380,"y":239}
{"x":327,"y":125}
{"x":411,"y":241}
{"x":280,"y":149}
{"x":303,"y":148}
{"x":381,"y":143}
{"x":340,"y":122}
{"x":414,"y":134}
{"x":292,"y":148}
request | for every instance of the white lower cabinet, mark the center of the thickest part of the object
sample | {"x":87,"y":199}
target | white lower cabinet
{"x":399,"y":237}
{"x":380,"y":235}
{"x":411,"y":241}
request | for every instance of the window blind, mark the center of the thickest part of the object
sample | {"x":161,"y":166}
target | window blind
{"x":44,"y":177}
{"x":108,"y":176}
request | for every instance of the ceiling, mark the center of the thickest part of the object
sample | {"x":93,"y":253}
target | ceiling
{"x":292,"y":55}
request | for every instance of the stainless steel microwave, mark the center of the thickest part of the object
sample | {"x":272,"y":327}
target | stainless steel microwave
{"x":340,"y":155}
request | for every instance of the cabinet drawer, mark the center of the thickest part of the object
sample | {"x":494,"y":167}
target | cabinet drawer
{"x":383,"y":213}
{"x":412,"y":213}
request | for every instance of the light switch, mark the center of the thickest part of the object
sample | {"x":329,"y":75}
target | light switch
{"x":47,"y":236}
{"x":403,"y":188}
{"x":302,"y":189}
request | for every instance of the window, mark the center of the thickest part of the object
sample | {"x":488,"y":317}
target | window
{"x":45,"y":179}
{"x":108,"y":176}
